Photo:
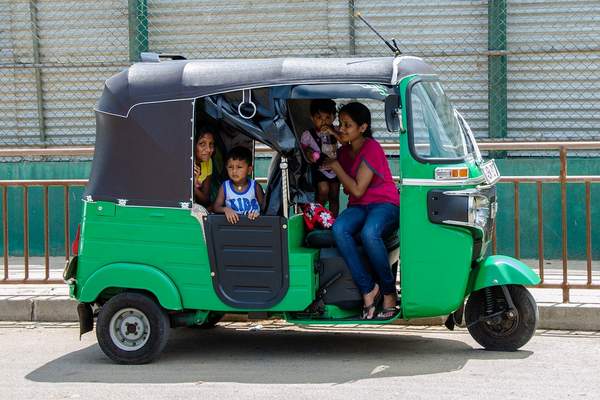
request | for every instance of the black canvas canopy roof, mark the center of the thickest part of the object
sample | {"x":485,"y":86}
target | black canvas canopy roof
{"x":145,"y":119}
{"x":172,"y":80}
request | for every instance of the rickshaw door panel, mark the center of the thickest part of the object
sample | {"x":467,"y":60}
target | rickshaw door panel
{"x":249,"y":260}
{"x":436,"y":259}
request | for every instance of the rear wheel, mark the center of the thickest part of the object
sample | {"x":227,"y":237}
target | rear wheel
{"x":132,"y":328}
{"x":493,"y":325}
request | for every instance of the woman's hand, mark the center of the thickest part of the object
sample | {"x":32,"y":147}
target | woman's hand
{"x":231,"y":215}
{"x":334,"y":132}
{"x":196,"y":170}
{"x":253,"y":215}
{"x":332,"y":164}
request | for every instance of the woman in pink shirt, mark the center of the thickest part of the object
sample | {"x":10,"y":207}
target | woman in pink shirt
{"x":373,"y":209}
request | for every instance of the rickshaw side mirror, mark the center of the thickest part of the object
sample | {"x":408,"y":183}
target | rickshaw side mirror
{"x":392,"y":114}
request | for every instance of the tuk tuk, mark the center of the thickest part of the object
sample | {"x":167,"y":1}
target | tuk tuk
{"x":145,"y":260}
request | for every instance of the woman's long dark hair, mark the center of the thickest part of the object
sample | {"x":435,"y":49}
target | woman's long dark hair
{"x":360,"y":114}
{"x":203,"y":130}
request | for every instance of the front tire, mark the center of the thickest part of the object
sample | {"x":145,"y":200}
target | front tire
{"x":504,"y":331}
{"x":132,"y":328}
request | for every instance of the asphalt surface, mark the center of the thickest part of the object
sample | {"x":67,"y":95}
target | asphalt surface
{"x":275,"y":360}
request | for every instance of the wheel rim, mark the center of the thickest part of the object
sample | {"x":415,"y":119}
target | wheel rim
{"x":129,"y":329}
{"x":505,"y":326}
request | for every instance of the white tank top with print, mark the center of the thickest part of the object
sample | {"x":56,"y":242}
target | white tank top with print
{"x":241,"y":202}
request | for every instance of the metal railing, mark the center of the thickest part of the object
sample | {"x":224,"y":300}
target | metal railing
{"x":66,"y":184}
{"x":562,"y":179}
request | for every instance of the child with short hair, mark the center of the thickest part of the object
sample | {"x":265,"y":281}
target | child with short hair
{"x":319,"y":143}
{"x":239,"y":195}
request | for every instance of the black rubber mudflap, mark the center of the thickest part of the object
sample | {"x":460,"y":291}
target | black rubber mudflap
{"x":86,"y":318}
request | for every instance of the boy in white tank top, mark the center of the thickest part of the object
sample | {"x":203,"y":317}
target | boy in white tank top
{"x":239,"y":195}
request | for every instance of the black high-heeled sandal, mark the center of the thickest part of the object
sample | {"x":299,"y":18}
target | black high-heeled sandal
{"x":372,"y":308}
{"x":387,"y":313}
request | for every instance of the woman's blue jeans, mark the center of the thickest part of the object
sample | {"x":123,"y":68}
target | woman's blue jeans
{"x":374,"y":222}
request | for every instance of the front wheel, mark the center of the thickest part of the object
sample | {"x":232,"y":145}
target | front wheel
{"x":132,"y":328}
{"x":493,"y":325}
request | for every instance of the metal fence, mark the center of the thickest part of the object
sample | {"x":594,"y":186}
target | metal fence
{"x":517,"y":69}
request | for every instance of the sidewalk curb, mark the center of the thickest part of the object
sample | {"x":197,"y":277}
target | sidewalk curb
{"x":581,"y":317}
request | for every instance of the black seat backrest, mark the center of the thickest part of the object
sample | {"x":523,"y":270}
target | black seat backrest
{"x":323,"y":238}
{"x":249,"y":260}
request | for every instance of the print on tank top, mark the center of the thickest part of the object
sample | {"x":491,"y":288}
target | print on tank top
{"x":241,"y":202}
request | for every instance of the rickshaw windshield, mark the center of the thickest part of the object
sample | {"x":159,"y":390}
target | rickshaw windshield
{"x":435,"y":129}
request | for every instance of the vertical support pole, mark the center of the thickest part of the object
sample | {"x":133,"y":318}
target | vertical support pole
{"x":67,"y":238}
{"x":497,"y":71}
{"x":138,"y":28}
{"x":46,"y":236}
{"x":351,"y":29}
{"x":5,"y":229}
{"x":285,"y":186}
{"x":517,"y":222}
{"x":588,"y":230}
{"x":26,"y":232}
{"x":540,"y":208}
{"x":563,"y":214}
{"x":37,"y":69}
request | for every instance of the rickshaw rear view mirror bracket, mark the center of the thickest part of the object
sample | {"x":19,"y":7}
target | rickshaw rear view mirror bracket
{"x":393,"y":121}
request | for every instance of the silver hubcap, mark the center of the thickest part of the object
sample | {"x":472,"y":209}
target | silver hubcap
{"x":129,"y":329}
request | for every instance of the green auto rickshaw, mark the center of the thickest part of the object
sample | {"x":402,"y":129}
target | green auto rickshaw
{"x":147,"y":259}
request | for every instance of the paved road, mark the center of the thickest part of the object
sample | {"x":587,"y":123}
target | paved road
{"x":236,"y":361}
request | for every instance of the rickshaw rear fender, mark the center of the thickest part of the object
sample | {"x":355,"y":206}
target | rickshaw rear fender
{"x":501,"y":270}
{"x":132,"y":276}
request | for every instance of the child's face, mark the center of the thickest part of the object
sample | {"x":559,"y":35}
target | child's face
{"x":321,"y":120}
{"x":238,"y":171}
{"x":205,"y":147}
{"x":349,"y":129}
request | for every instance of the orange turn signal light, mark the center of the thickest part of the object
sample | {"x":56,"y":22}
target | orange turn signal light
{"x":451,"y":173}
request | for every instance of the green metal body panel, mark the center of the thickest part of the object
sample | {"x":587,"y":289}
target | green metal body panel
{"x":132,"y":276}
{"x":435,"y":259}
{"x":171,"y":241}
{"x":501,"y":270}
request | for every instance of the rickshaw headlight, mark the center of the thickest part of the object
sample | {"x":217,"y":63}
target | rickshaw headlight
{"x":470,"y":207}
{"x":479,"y":211}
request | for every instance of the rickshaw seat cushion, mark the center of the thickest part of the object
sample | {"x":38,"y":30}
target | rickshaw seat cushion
{"x":323,"y":238}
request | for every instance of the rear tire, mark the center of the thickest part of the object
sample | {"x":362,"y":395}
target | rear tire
{"x":132,"y":328}
{"x":505,"y":332}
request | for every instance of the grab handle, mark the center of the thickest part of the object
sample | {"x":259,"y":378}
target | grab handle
{"x":249,"y":102}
